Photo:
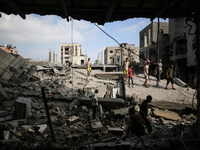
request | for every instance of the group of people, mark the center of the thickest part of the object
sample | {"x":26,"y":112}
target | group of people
{"x":128,"y":74}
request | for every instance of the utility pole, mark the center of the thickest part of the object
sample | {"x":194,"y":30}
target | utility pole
{"x":157,"y":58}
{"x":121,"y":60}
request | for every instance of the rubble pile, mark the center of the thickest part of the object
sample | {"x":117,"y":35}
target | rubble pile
{"x":24,"y":121}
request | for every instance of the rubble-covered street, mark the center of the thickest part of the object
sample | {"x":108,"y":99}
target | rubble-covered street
{"x":23,"y":118}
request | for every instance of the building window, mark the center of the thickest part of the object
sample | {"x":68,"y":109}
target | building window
{"x":111,"y":51}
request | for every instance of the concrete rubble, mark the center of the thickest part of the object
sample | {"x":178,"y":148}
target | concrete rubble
{"x":23,"y":115}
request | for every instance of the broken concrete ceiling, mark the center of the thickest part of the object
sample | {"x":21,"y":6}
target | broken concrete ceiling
{"x":101,"y":11}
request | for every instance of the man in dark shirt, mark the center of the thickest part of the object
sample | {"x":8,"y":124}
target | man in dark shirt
{"x":170,"y":78}
{"x":144,"y":112}
{"x":135,"y":123}
{"x":135,"y":126}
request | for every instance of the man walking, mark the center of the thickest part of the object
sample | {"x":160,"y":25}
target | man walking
{"x":144,"y":112}
{"x":170,"y":78}
{"x":160,"y":70}
{"x":125,"y":69}
{"x":88,"y":67}
{"x":146,"y":73}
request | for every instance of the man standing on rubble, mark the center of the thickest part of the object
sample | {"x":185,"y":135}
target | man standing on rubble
{"x":88,"y":67}
{"x":144,"y":112}
{"x":94,"y":99}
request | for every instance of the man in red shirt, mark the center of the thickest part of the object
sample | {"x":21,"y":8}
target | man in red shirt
{"x":130,"y":76}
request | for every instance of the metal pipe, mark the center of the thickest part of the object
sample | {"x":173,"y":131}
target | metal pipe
{"x":48,"y":115}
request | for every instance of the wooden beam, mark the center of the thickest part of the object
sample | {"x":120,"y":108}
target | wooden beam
{"x":16,"y":8}
{"x":65,"y":9}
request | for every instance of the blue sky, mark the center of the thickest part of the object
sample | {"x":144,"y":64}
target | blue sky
{"x":34,"y":36}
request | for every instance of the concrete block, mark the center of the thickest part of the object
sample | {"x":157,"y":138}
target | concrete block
{"x":180,"y":82}
{"x":22,"y":108}
{"x":116,"y":131}
{"x":73,"y":104}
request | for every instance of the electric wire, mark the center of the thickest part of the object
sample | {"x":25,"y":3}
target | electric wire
{"x":118,"y":42}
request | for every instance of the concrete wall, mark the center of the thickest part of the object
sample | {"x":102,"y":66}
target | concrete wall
{"x":179,"y":30}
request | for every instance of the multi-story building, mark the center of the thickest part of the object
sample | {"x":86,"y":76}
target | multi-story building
{"x":183,"y":48}
{"x":112,"y":55}
{"x":72,"y":52}
{"x":148,"y":44}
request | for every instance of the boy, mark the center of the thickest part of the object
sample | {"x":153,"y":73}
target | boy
{"x":125,"y":69}
{"x":130,"y":76}
{"x":94,"y":99}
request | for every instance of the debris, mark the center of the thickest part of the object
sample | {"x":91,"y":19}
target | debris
{"x":121,"y":111}
{"x":166,"y":114}
{"x":112,"y":102}
{"x":22,"y":108}
{"x":179,"y":82}
{"x":117,"y":131}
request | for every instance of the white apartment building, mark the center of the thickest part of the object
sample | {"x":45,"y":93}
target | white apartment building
{"x":112,"y":55}
{"x":72,"y":52}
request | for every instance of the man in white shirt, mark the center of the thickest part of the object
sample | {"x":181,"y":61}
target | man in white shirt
{"x":146,"y":73}
{"x":94,"y":99}
{"x":160,"y":69}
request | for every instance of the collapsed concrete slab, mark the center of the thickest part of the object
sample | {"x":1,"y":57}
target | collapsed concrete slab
{"x":166,"y":114}
{"x":112,"y":102}
{"x":14,"y":67}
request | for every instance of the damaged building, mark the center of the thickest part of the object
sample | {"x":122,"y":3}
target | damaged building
{"x":183,"y":48}
{"x":148,"y":45}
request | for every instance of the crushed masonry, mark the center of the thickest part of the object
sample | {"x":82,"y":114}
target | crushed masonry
{"x":23,"y":114}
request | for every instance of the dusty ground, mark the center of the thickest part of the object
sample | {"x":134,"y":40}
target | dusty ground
{"x":180,"y":95}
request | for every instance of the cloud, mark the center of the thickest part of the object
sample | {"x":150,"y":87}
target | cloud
{"x":39,"y":33}
{"x":133,"y":28}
